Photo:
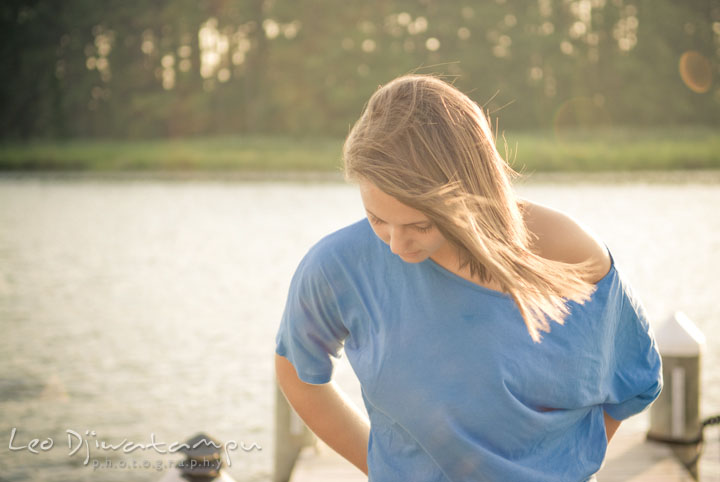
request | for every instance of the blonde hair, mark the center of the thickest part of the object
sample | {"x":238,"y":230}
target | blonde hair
{"x":425,"y":143}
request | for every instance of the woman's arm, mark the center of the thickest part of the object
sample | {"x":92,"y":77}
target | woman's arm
{"x":328,"y":412}
{"x":611,"y":426}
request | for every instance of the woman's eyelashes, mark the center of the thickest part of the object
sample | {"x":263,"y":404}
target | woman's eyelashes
{"x":420,"y":229}
{"x":374,"y":220}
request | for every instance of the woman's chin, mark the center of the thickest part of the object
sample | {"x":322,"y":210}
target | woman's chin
{"x":415,"y":257}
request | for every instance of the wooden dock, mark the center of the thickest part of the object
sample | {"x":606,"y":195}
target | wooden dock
{"x":630,"y":458}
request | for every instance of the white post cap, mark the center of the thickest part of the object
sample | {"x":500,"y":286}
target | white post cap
{"x":679,"y":336}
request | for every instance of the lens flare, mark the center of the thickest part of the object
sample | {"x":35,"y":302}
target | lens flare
{"x":695,"y":71}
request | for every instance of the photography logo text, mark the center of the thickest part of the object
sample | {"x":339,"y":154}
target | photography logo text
{"x":90,"y":444}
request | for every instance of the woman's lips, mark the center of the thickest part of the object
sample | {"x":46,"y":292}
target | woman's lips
{"x":410,"y":255}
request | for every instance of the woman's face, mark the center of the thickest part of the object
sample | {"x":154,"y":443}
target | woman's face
{"x":407,"y":231}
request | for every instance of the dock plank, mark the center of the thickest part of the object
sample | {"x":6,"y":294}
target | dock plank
{"x":320,"y":464}
{"x":631,"y":458}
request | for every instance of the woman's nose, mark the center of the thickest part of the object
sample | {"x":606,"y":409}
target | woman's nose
{"x":399,"y":240}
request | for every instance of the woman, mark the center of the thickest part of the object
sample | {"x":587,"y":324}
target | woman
{"x":443,"y":299}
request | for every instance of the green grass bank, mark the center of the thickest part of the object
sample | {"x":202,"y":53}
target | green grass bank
{"x":630,"y":149}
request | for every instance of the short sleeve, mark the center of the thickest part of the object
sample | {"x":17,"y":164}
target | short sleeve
{"x":635,"y":379}
{"x":311,"y":329}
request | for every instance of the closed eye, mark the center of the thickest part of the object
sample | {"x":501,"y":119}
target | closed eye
{"x":421,"y":229}
{"x":374,"y":220}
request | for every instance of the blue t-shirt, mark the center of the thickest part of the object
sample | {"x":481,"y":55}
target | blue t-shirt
{"x":455,"y":388}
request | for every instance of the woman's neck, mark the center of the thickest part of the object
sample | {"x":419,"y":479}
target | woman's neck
{"x":448,"y":258}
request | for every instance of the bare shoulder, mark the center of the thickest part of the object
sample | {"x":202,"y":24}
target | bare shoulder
{"x":559,"y":237}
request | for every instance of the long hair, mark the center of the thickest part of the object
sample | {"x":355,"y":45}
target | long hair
{"x":425,"y":143}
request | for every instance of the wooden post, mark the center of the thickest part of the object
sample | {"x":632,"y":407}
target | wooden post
{"x":291,"y":435}
{"x":675,"y":415}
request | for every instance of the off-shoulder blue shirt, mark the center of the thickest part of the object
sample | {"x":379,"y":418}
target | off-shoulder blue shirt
{"x":455,"y":388}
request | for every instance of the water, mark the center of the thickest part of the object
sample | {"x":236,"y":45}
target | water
{"x":132,"y":308}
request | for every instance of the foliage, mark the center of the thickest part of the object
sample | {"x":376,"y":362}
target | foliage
{"x":125,"y":69}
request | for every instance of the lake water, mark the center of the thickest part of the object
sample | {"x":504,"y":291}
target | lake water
{"x":133,"y":308}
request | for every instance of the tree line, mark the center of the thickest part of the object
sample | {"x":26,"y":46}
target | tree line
{"x":124,"y":69}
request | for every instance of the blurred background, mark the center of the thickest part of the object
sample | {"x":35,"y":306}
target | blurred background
{"x":249,"y":69}
{"x":164,"y":166}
